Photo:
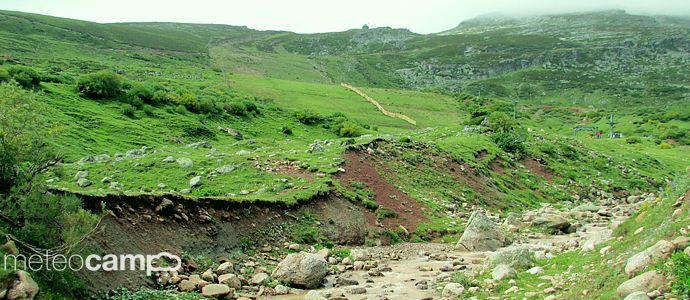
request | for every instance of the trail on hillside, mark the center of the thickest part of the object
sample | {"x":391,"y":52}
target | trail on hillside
{"x":376,"y":103}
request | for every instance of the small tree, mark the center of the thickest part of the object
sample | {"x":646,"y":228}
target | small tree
{"x":103,"y":84}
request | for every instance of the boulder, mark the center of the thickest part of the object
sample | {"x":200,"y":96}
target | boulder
{"x":481,"y":234}
{"x":503,"y":271}
{"x":184,"y":162}
{"x":231,"y":280}
{"x":23,"y":287}
{"x":453,"y":291}
{"x":196,"y":181}
{"x":637,"y":296}
{"x":302,"y":270}
{"x":215,"y":290}
{"x":259,"y":278}
{"x":225,"y":169}
{"x":536,"y":270}
{"x":552,"y":222}
{"x":314,"y":295}
{"x":281,"y":290}
{"x":516,"y":257}
{"x":596,"y":239}
{"x":81,"y":174}
{"x":83,"y":182}
{"x":225,"y":268}
{"x":169,"y":159}
{"x":661,"y":250}
{"x":646,"y":282}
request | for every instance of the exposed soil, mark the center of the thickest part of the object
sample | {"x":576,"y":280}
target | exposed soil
{"x":537,"y":168}
{"x":134,"y":227}
{"x":362,"y":167}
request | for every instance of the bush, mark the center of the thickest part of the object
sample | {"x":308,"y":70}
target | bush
{"x":103,"y":84}
{"x":143,"y":92}
{"x":349,"y":129}
{"x":512,"y":141}
{"x":180,"y":109}
{"x":250,"y":106}
{"x":633,"y":140}
{"x":128,"y":110}
{"x":308,"y":117}
{"x":25,"y":76}
{"x":235,"y":108}
{"x":207,"y":106}
{"x":4,"y":76}
{"x":679,"y":266}
{"x":665,"y":146}
{"x":286,"y":130}
{"x":148,"y":110}
{"x":199,"y":130}
{"x":161,"y":97}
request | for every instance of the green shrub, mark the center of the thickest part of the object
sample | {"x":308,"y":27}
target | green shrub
{"x":143,"y":92}
{"x":128,"y":110}
{"x":349,"y":129}
{"x":664,"y":146}
{"x":250,"y":106}
{"x":207,"y":106}
{"x":199,"y":130}
{"x":235,"y":108}
{"x":633,"y":140}
{"x":25,"y":76}
{"x":148,"y":110}
{"x":679,"y":266}
{"x":4,"y":76}
{"x":161,"y":97}
{"x":102,"y":84}
{"x":512,"y":141}
{"x":286,"y":130}
{"x":308,"y":117}
{"x":180,"y":109}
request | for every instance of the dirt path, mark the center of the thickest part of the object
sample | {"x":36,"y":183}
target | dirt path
{"x":376,"y":103}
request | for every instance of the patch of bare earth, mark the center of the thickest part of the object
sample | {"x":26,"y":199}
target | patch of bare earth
{"x":362,"y":167}
{"x":537,"y":168}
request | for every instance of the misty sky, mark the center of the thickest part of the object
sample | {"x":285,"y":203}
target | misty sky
{"x":305,"y":16}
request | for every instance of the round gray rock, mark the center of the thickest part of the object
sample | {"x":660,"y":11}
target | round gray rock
{"x":302,"y":270}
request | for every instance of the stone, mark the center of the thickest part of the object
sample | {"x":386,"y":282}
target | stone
{"x":259,"y":278}
{"x":503,"y":271}
{"x":358,"y":290}
{"x":231,"y":280}
{"x":645,"y":282}
{"x":195,"y":181}
{"x":81,"y":174}
{"x":519,"y":257}
{"x":225,"y":268}
{"x":453,"y":290}
{"x":637,"y":296}
{"x":281,"y":290}
{"x":596,"y":239}
{"x":208,"y":275}
{"x":225,"y":169}
{"x":83,"y":182}
{"x":165,"y":204}
{"x":23,"y":287}
{"x":202,"y":144}
{"x":342,"y":281}
{"x":187,"y":285}
{"x":687,"y":250}
{"x":169,"y":159}
{"x":551,"y":221}
{"x":481,"y":234}
{"x":536,"y":270}
{"x":638,"y":231}
{"x":302,"y":270}
{"x":676,"y":213}
{"x":314,"y":295}
{"x":605,"y":250}
{"x":360,"y":254}
{"x":638,"y":262}
{"x":184,"y":162}
{"x":215,"y":290}
{"x":549,"y":290}
{"x":681,"y":242}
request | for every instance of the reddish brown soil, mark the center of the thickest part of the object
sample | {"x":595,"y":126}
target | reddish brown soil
{"x":363,"y":168}
{"x":537,"y":168}
{"x":496,"y":167}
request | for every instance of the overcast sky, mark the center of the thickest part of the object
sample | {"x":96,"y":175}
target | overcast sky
{"x":304,"y":16}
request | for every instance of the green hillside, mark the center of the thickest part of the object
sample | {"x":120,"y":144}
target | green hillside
{"x":225,"y":143}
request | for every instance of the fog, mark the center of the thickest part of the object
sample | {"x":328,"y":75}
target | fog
{"x":307,"y":16}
